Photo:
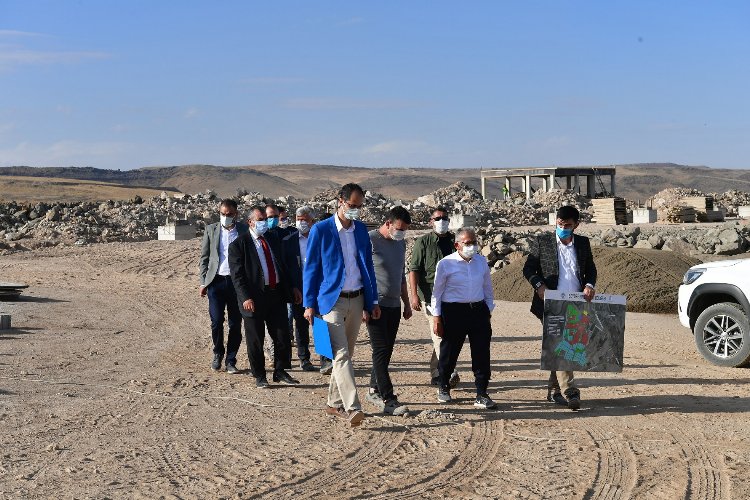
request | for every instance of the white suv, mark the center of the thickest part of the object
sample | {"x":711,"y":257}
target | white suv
{"x":713,"y":303}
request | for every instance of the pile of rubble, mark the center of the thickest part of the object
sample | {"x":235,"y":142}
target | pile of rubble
{"x":671,"y":197}
{"x":731,"y":201}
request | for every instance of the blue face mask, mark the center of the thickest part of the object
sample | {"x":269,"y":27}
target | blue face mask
{"x":272,"y":222}
{"x":564,"y":233}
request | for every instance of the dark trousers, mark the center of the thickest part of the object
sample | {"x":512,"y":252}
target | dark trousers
{"x":301,"y":333}
{"x":382,"y":339}
{"x":273,"y":316}
{"x":460,"y":320}
{"x":221,"y":296}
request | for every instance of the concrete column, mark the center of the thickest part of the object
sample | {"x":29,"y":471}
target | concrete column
{"x":577,"y":186}
{"x":507,"y":186}
{"x":568,"y":182}
{"x":612,"y":184}
{"x":544,"y":184}
{"x":527,"y":186}
{"x":590,"y":186}
{"x":484,"y":187}
{"x":551,"y":182}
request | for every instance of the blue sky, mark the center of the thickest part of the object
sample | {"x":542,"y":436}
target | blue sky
{"x":127,"y":84}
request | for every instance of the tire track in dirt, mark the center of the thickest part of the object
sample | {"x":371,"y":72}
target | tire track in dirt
{"x":483,"y":444}
{"x":356,"y":464}
{"x":616,"y":471}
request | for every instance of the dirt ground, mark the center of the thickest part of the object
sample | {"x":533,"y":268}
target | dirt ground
{"x":106,"y":391}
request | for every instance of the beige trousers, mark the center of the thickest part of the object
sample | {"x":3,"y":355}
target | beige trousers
{"x":564,"y":382}
{"x":344,"y":321}
{"x":434,"y":372}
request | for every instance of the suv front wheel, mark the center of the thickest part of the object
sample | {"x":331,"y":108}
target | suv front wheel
{"x":722,"y":334}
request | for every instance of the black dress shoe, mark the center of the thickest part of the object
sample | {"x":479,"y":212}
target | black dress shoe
{"x":557,"y":398}
{"x":284,"y":378}
{"x":308,"y":367}
{"x":574,"y":402}
{"x":261,"y":383}
{"x":216,"y":363}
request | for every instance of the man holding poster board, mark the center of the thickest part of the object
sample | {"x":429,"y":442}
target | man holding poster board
{"x":561,"y":261}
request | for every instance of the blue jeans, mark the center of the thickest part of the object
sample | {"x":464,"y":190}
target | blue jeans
{"x":221,"y":297}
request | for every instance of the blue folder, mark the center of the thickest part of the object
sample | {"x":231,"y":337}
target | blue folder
{"x":322,"y":338}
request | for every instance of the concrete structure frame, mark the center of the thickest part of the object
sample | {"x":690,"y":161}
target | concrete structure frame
{"x":549,"y":176}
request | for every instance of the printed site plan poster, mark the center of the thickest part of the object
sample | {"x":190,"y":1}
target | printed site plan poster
{"x":583,"y":336}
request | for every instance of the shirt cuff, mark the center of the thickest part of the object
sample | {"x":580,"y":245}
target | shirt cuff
{"x":589,"y":285}
{"x":374,"y":302}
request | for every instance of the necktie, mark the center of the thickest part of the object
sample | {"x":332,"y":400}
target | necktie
{"x":269,"y":263}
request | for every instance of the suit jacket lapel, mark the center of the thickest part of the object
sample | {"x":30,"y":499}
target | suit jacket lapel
{"x":217,"y":238}
{"x":336,"y":238}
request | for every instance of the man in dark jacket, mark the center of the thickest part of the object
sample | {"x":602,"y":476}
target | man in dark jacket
{"x":263,"y":289}
{"x":561,"y":261}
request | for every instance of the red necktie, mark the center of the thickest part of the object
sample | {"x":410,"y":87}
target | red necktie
{"x":269,"y":263}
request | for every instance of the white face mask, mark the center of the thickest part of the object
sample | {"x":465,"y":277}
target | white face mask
{"x":260,"y":227}
{"x":441,"y":226}
{"x":352,"y":214}
{"x":398,"y":234}
{"x":284,"y":223}
{"x":303,"y":226}
{"x":469,"y":251}
{"x":226,"y":220}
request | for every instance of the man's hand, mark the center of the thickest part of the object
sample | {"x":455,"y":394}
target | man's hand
{"x":249,"y":305}
{"x":365,"y":316}
{"x":540,"y":291}
{"x":588,"y":293}
{"x":437,"y":326}
{"x":309,"y":315}
{"x":407,"y":311}
{"x":416,"y":304}
{"x":203,"y":291}
{"x":297,"y":295}
{"x":375,"y":312}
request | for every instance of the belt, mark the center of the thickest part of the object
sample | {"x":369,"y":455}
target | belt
{"x":352,"y":294}
{"x":472,"y":305}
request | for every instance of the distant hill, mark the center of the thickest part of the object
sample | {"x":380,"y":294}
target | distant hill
{"x":638,"y":181}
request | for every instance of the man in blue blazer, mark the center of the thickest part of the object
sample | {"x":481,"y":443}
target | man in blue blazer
{"x":339,"y":286}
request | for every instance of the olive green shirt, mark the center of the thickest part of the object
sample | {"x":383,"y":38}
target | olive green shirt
{"x":424,"y":259}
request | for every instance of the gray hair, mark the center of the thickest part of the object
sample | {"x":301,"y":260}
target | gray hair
{"x":305,"y":210}
{"x":465,"y":230}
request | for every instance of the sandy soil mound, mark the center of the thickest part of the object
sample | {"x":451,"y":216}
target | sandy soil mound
{"x":649,"y":278}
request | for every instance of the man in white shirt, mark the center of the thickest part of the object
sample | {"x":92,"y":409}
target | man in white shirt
{"x":462,"y":305}
{"x":561,"y":261}
{"x":216,"y":284}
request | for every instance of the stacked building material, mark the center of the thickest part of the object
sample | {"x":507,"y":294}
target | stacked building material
{"x":610,"y":211}
{"x":704,"y":208}
{"x":678,"y":214}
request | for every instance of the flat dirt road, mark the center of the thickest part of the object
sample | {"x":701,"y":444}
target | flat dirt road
{"x":106,"y":391}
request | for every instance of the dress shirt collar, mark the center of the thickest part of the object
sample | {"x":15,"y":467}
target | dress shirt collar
{"x":340,"y":226}
{"x":568,"y":245}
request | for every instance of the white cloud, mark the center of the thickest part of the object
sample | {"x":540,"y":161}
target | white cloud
{"x":334,"y":103}
{"x":402,"y":147}
{"x":15,"y":34}
{"x":64,"y":153}
{"x":11,"y":56}
{"x":271,"y":80}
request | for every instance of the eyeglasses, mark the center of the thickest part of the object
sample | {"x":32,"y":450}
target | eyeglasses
{"x":467,"y":243}
{"x":353,"y":206}
{"x":444,"y":217}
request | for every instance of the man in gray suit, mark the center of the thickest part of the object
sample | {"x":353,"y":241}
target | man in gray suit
{"x":216,"y":283}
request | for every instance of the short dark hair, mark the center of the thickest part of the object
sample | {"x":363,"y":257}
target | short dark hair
{"x":568,"y":212}
{"x":229,"y":203}
{"x":399,"y":213}
{"x":347,"y":189}
{"x":251,"y":212}
{"x":274,"y":206}
{"x":281,"y":209}
{"x":439,"y":208}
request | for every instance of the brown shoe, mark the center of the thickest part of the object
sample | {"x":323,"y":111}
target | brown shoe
{"x":332,"y":411}
{"x":355,"y":417}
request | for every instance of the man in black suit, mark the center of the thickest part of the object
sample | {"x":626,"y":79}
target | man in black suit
{"x":561,"y":261}
{"x":263,"y":290}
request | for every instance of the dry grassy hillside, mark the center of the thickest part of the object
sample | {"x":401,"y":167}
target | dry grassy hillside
{"x":51,"y":189}
{"x":635,"y":182}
